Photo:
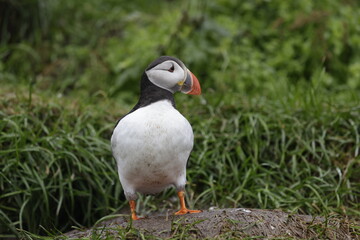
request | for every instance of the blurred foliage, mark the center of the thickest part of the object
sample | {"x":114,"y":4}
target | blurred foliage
{"x":281,"y":83}
{"x":247,"y":46}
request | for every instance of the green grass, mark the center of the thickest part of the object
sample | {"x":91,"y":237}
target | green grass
{"x":277,"y":125}
{"x":48,"y":151}
{"x":242,"y":154}
{"x":255,"y":155}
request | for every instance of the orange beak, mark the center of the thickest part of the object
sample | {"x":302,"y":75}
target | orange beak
{"x":195,"y":88}
{"x":191,"y":85}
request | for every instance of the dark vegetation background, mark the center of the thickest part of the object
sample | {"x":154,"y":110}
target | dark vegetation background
{"x":277,"y":126}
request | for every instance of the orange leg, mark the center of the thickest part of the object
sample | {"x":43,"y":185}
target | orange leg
{"x":183,"y":208}
{"x":133,"y":210}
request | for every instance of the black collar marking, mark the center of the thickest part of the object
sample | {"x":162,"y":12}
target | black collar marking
{"x":150,"y":93}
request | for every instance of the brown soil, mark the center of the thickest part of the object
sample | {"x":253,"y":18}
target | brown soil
{"x":228,"y":224}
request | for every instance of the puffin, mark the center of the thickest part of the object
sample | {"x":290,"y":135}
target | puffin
{"x":152,"y":143}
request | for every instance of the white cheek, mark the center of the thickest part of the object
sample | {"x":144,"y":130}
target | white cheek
{"x":165,"y":79}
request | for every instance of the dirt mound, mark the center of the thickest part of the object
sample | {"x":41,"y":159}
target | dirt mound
{"x":226,"y":223}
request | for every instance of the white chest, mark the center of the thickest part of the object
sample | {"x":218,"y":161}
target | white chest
{"x":151,"y":146}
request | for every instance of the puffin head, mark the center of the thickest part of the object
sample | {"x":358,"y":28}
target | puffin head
{"x":171,"y":74}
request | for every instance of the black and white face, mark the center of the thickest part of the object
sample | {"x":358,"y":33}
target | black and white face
{"x":168,"y":74}
{"x":173,"y":76}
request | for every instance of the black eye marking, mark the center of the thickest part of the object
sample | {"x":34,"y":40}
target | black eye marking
{"x":171,"y":69}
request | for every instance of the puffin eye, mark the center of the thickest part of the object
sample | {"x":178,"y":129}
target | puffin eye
{"x":171,"y":69}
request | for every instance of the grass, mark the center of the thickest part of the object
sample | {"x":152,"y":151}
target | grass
{"x":49,"y":152}
{"x":248,"y":153}
{"x":252,"y":146}
{"x":276,"y":127}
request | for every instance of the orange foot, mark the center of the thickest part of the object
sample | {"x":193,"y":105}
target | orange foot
{"x":185,"y":211}
{"x":135,"y":217}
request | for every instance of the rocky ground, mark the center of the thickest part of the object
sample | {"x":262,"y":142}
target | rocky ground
{"x":224,"y":224}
